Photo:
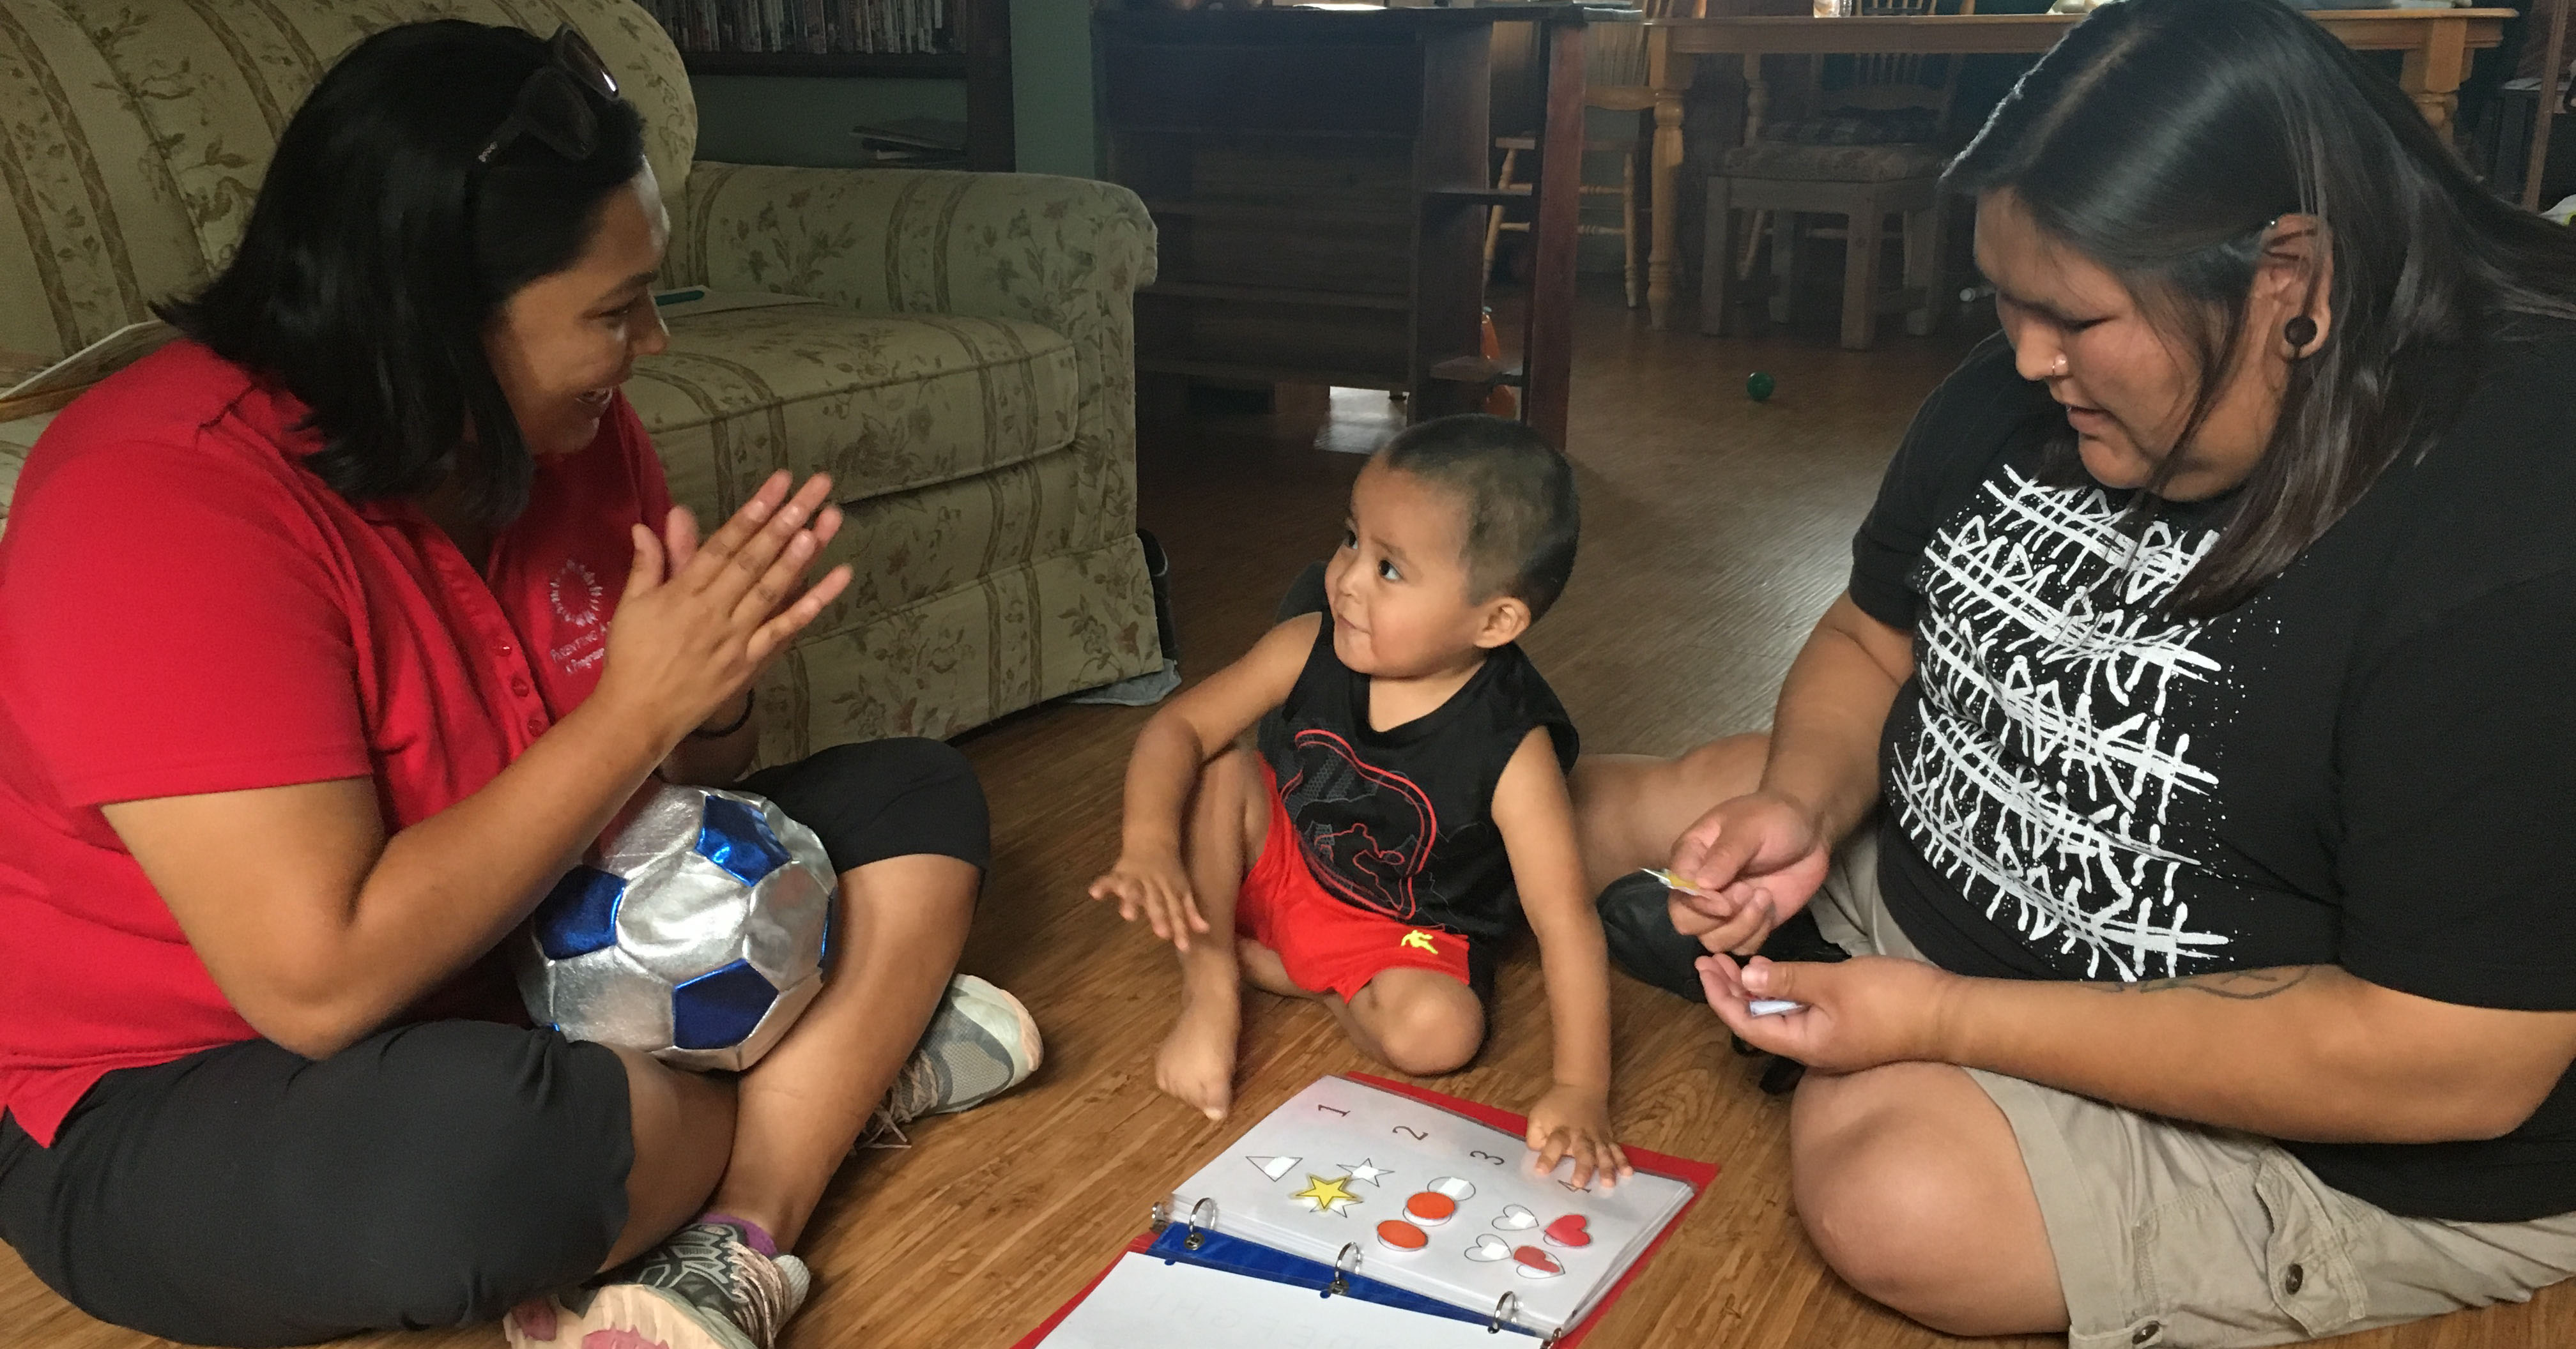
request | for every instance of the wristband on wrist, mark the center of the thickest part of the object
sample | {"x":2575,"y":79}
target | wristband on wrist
{"x":720,"y":732}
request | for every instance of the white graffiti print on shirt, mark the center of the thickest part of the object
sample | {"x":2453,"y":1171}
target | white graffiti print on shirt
{"x":2045,"y":774}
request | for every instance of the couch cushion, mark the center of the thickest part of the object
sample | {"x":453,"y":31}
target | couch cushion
{"x":906,"y":547}
{"x":1015,"y":636}
{"x":883,"y":404}
{"x":1833,"y":163}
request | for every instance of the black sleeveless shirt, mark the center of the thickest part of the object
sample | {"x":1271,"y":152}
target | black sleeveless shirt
{"x":1400,"y":821}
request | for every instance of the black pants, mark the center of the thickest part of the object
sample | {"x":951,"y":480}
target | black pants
{"x":434,"y":1174}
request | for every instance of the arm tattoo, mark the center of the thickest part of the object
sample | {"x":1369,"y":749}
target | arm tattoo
{"x":2233,"y":985}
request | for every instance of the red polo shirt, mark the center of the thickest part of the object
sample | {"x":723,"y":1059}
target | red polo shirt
{"x":184,"y":608}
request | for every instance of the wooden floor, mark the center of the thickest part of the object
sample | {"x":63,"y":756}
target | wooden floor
{"x":1715,"y":530}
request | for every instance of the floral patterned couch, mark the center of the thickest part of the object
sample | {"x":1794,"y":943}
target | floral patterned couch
{"x":968,"y":382}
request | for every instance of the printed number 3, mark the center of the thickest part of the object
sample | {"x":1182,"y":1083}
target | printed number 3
{"x":1487,"y":1156}
{"x":1418,"y":1135}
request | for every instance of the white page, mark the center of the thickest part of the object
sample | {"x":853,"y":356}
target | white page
{"x":96,"y":361}
{"x":700,"y":301}
{"x":1342,"y":1160}
{"x":1147,"y":1303}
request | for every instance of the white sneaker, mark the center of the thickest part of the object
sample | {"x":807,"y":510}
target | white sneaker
{"x":981,"y":1043}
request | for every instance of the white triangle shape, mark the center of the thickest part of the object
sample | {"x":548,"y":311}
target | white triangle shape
{"x":1275,"y":1167}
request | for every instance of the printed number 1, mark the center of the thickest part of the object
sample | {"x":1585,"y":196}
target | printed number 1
{"x":1337,"y":1112}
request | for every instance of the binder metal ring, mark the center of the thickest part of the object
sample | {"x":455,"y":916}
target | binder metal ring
{"x":1344,"y":1265}
{"x":1197,"y":1238}
{"x":1162,"y":1215}
{"x":1503,"y":1309}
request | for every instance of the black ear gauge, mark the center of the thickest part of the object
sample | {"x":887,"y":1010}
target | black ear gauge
{"x":2299,"y":332}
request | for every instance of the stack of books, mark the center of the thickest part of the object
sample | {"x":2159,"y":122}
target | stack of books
{"x":899,"y":27}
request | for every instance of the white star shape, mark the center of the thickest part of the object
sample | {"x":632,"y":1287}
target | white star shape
{"x":1367,"y":1171}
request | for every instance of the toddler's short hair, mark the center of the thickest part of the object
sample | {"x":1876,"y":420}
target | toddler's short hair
{"x":1522,"y":516}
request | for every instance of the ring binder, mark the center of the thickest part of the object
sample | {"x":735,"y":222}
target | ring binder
{"x":1198,"y":1238}
{"x":1227,"y":1230}
{"x":1345,"y":1265}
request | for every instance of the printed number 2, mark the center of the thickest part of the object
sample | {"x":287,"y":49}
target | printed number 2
{"x":1418,"y":1135}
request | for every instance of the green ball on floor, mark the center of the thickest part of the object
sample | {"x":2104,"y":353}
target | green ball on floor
{"x":1758,"y":386}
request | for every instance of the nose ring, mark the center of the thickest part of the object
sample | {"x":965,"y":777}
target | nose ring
{"x":2058,"y":366}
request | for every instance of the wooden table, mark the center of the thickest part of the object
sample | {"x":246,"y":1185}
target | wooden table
{"x":2437,"y":43}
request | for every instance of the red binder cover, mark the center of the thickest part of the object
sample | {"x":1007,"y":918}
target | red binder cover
{"x":1698,"y":1175}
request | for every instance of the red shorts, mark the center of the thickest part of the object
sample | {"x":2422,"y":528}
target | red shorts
{"x":1325,"y":943}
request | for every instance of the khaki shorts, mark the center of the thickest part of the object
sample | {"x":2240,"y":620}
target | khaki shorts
{"x":2176,"y":1234}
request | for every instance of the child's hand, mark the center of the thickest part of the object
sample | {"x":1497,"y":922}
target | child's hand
{"x":1158,"y":888}
{"x":1576,"y":1121}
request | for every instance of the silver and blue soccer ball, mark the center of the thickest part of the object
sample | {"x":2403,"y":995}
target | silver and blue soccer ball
{"x":696,"y":935}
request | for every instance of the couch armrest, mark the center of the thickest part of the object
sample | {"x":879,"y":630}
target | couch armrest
{"x":1067,"y":253}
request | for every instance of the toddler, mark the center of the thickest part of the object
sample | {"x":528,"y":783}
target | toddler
{"x":1407,"y":795}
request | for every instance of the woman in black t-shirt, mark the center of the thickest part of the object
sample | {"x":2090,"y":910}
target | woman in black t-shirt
{"x":2201,"y":720}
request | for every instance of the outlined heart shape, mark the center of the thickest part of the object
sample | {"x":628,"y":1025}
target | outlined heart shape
{"x":1489,"y":1248}
{"x":1570,"y":1230}
{"x":1536,"y":1264}
{"x":1516,"y":1219}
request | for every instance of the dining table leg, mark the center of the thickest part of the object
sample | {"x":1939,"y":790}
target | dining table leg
{"x":2433,"y":70}
{"x":1670,"y":73}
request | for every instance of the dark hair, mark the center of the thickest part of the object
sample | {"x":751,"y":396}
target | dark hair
{"x":2162,"y":137}
{"x":1522,"y":515}
{"x":379,"y":252}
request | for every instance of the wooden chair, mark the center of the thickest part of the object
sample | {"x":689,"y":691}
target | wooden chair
{"x":1864,"y":183}
{"x":1614,"y":80}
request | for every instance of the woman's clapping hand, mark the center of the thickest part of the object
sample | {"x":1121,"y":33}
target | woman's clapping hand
{"x":700,"y":619}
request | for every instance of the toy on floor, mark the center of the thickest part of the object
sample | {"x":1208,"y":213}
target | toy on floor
{"x":696,"y":933}
{"x":1759,"y":385}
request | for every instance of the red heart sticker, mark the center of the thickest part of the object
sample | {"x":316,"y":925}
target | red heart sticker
{"x":1569,"y":1231}
{"x":1537,"y":1264}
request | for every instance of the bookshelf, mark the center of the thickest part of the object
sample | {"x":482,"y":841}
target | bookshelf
{"x":721,"y":37}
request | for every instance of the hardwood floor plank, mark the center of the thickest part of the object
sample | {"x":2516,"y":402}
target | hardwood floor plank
{"x":1715,"y":530}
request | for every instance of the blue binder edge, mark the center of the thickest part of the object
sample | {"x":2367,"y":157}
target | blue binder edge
{"x":1237,"y":1256}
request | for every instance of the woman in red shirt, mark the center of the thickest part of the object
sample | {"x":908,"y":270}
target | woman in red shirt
{"x":329,"y":638}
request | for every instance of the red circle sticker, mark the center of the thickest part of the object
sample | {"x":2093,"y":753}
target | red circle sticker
{"x":1431,"y":1208}
{"x":1402,"y":1235}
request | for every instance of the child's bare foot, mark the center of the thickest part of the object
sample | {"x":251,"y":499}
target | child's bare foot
{"x":1196,"y":1062}
{"x":1263,"y":969}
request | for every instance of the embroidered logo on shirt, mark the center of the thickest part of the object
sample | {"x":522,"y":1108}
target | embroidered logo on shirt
{"x":1420,"y":940}
{"x":576,"y":596}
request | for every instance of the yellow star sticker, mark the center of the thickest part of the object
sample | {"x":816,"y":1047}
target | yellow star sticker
{"x":1328,"y":1196}
{"x":1421,"y":939}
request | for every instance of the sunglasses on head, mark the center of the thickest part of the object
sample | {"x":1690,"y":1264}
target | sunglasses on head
{"x":554,"y":105}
